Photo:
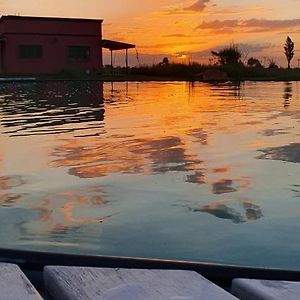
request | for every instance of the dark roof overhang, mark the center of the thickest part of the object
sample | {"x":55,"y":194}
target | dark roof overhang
{"x":114,"y":45}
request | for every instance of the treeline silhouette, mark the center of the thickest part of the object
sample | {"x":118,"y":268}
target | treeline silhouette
{"x":227,"y":61}
{"x":194,"y":71}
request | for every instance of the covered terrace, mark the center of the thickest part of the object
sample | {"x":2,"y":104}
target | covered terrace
{"x":117,"y":46}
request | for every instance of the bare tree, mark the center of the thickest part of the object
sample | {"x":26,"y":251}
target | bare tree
{"x":289,"y":50}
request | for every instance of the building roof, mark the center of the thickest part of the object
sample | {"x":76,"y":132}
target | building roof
{"x":113,"y":45}
{"x":32,"y":18}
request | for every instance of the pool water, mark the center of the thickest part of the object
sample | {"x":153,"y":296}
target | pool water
{"x":154,"y":169}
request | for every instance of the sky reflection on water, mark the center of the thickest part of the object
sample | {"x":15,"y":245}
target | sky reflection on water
{"x":169,"y":170}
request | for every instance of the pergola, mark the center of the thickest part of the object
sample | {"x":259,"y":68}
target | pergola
{"x":116,"y":46}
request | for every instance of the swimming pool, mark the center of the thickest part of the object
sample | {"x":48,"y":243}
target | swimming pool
{"x":154,"y":169}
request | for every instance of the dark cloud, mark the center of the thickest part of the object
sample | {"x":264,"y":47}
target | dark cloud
{"x":177,"y":35}
{"x":198,"y":6}
{"x":248,"y":26}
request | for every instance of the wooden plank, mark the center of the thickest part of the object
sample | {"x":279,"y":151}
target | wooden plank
{"x":250,"y":289}
{"x":77,"y":283}
{"x":14,"y":285}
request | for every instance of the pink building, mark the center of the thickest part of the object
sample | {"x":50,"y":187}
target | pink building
{"x":38,"y":45}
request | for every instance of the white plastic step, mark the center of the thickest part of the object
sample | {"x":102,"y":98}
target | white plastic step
{"x":77,"y":283}
{"x":251,"y":289}
{"x":14,"y":285}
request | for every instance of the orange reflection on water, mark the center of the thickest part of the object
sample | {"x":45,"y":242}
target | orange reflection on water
{"x":221,"y":170}
{"x":7,"y":196}
{"x":8,"y":182}
{"x":133,"y":156}
{"x":199,"y":145}
{"x":65,"y":210}
{"x":96,"y":161}
{"x":9,"y":199}
{"x":148,"y":136}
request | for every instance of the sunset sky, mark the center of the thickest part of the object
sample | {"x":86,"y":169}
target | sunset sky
{"x":182,"y":28}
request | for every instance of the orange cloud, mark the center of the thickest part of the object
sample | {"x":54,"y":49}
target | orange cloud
{"x":172,"y":44}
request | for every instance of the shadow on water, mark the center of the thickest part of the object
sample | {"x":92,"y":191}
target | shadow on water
{"x":232,"y":90}
{"x":288,"y":94}
{"x":50,"y":108}
{"x":223,"y":186}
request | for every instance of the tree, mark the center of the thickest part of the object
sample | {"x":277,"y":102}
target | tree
{"x":254,"y":63}
{"x":228,"y":56}
{"x":272,"y":64}
{"x":289,"y":50}
{"x":165,"y":62}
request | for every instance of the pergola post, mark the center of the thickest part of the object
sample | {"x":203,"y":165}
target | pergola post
{"x":126,"y":50}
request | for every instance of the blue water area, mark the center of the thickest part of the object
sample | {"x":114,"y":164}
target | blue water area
{"x":170,"y":170}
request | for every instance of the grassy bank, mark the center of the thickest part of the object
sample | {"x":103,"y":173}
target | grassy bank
{"x":172,"y":72}
{"x":234,"y":72}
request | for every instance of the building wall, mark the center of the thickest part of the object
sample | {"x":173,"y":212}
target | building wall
{"x":55,"y":54}
{"x":55,"y":36}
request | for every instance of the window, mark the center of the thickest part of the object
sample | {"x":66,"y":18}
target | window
{"x":30,"y":51}
{"x":78,"y":53}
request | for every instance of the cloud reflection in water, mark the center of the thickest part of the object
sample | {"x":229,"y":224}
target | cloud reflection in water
{"x":289,"y":153}
{"x":151,"y":156}
{"x":8,"y":197}
{"x":245,"y":211}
